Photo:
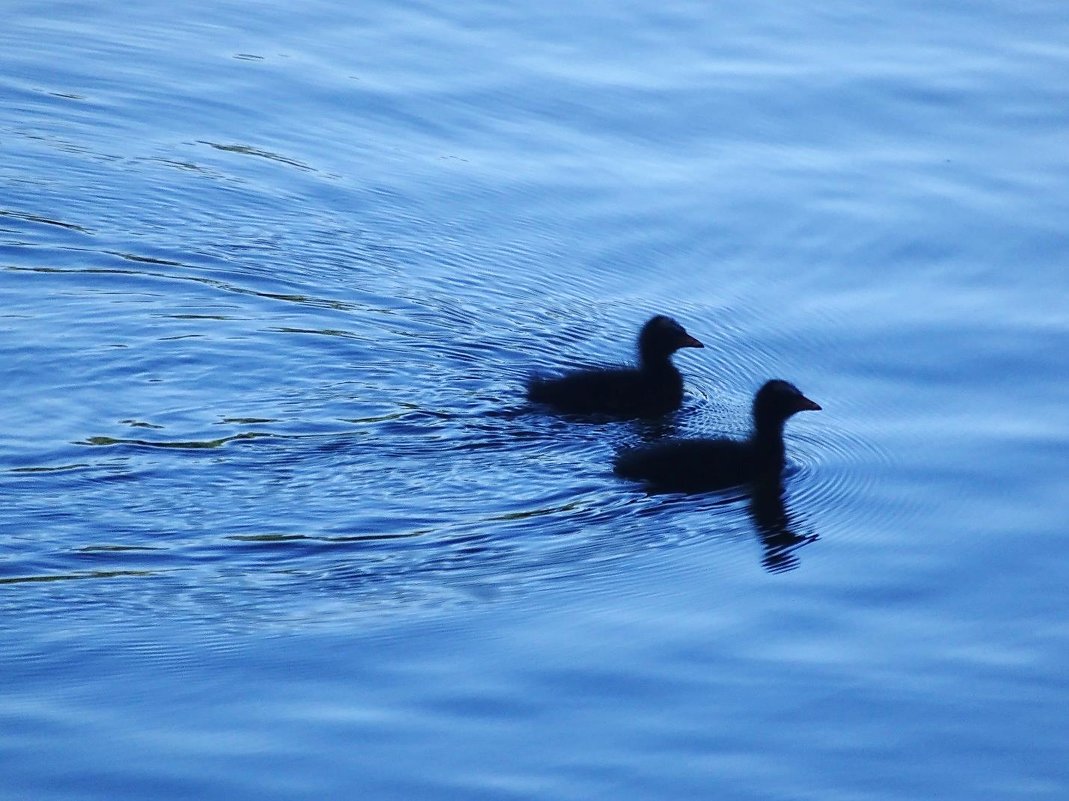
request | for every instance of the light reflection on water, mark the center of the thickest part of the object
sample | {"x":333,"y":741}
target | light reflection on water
{"x":277,"y":519}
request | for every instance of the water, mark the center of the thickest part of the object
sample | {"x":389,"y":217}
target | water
{"x":277,"y":522}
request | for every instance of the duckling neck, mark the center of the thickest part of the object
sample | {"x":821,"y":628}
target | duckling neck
{"x":652,"y":361}
{"x":767,"y":440}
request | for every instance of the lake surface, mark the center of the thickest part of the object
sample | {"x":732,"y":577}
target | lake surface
{"x":278,"y":523}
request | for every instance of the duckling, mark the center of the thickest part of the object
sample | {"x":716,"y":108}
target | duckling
{"x":698,"y":465}
{"x":653,"y":388}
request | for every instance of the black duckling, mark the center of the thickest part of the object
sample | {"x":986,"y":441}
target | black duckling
{"x":653,"y":388}
{"x":697,"y":465}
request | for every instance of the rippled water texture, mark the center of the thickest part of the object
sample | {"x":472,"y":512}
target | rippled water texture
{"x":278,"y":522}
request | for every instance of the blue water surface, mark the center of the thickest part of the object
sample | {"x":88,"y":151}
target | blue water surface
{"x":278,"y":523}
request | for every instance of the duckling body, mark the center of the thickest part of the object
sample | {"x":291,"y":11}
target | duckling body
{"x":653,"y":388}
{"x":698,"y":465}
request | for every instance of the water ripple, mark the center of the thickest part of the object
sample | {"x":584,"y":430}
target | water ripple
{"x":324,"y":396}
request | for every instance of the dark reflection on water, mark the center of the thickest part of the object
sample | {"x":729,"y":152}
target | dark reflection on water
{"x":93,"y":574}
{"x":780,"y":530}
{"x":275,"y":520}
{"x":777,"y":527}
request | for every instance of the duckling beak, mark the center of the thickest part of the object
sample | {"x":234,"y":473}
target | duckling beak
{"x":690,"y":342}
{"x":806,"y":405}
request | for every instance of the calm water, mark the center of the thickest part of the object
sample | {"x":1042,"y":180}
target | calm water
{"x":277,"y":522}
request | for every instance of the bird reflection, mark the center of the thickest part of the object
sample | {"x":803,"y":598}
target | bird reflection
{"x":775,"y":527}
